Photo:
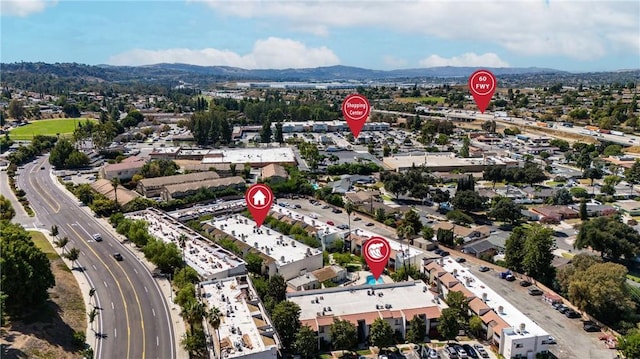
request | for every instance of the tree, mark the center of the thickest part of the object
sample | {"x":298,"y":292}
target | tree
{"x":448,"y":326}
{"x":73,"y":255}
{"x":306,"y":343}
{"x":26,"y":274}
{"x":632,"y":174}
{"x":195,"y":342}
{"x":381,"y":333}
{"x":506,"y":210}
{"x":349,"y":207}
{"x":278,"y":135}
{"x":92,"y":316}
{"x":630,"y":344}
{"x":417,"y":329}
{"x":538,"y":255}
{"x":214,"y":318}
{"x":54,"y":231}
{"x":476,"y":325}
{"x":277,"y":288}
{"x":265,"y":133}
{"x":60,"y":153}
{"x":412,"y":219}
{"x":459,"y":302}
{"x":192,"y":312}
{"x":16,"y":109}
{"x":592,"y":173}
{"x":610,"y":237}
{"x":514,"y":249}
{"x":562,"y":197}
{"x":115,"y":182}
{"x":468,"y":200}
{"x":343,"y":334}
{"x":445,"y":237}
{"x":254,"y":262}
{"x":493,"y":174}
{"x":533,"y":173}
{"x":166,"y":256}
{"x":427,"y":232}
{"x":464,"y":150}
{"x":584,"y":214}
{"x":286,"y":320}
{"x":6,"y":209}
{"x":61,"y":243}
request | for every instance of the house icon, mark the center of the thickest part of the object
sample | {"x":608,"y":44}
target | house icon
{"x":259,"y":198}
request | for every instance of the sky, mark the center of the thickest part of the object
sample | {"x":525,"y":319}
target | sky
{"x":576,"y":36}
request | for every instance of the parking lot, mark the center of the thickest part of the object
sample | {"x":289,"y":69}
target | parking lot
{"x":573,"y":341}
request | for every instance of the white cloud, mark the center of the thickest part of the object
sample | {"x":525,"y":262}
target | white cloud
{"x":271,"y":53}
{"x":24,"y":8}
{"x":468,"y":59}
{"x":576,"y":29}
{"x":394,"y":62}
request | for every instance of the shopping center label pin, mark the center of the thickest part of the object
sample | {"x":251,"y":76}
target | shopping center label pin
{"x":482,"y":85}
{"x":259,"y":199}
{"x":355,"y":110}
{"x":376,"y":252}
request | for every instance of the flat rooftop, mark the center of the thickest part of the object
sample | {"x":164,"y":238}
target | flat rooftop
{"x":251,"y":155}
{"x":283,"y":249}
{"x":200,"y":210}
{"x":318,"y":224}
{"x":201,"y":254}
{"x":510,"y":314}
{"x":244,"y":324}
{"x":436,"y":161}
{"x":398,"y":247}
{"x":344,"y":301}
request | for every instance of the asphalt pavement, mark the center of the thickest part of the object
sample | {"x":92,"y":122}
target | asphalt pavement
{"x":134,"y":318}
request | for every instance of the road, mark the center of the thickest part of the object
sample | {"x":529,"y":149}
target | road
{"x":627,"y":140}
{"x":134,"y":320}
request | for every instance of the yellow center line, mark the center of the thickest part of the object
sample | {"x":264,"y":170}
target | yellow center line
{"x":43,"y":194}
{"x":135,"y":293}
{"x":126,"y":313}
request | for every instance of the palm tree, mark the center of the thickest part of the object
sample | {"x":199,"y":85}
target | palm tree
{"x":115,"y":181}
{"x":54,"y":231}
{"x":92,"y":292}
{"x":72,"y":255}
{"x":214,"y":317}
{"x":92,"y":316}
{"x":349,"y":207}
{"x":193,"y":311}
{"x":61,"y":243}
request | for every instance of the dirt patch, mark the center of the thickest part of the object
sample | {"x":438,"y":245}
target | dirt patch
{"x":47,"y":332}
{"x":632,"y":149}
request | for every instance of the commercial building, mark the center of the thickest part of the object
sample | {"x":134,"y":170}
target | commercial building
{"x":256,"y":157}
{"x":152,"y":187}
{"x":396,"y":303}
{"x":511,"y":331}
{"x":181,"y":190}
{"x":283,"y":254}
{"x":245,"y":331}
{"x":445,"y":162}
{"x":124,"y":170}
{"x":324,"y":232}
{"x":207,"y":258}
{"x":401,"y":253}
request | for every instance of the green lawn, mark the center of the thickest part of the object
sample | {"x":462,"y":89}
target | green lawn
{"x":43,"y":244}
{"x":62,"y":126}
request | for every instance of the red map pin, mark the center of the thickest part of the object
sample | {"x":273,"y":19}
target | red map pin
{"x":259,"y":199}
{"x":355,"y":110}
{"x":482,"y":85}
{"x":376,"y":252}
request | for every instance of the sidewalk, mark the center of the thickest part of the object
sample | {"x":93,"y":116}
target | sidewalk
{"x":163,"y":283}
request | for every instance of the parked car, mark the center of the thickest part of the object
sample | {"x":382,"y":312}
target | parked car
{"x":355,"y":219}
{"x":460,"y":260}
{"x":470,"y":351}
{"x":444,"y":253}
{"x":551,"y":340}
{"x":590,"y":326}
{"x":118,"y":256}
{"x":369,"y":224}
{"x":562,"y":308}
{"x":336,"y":210}
{"x":480,"y":349}
{"x":572,"y":314}
{"x":331,"y":223}
{"x":525,"y":283}
{"x":510,"y":278}
{"x":483,"y":269}
{"x":535,"y":291}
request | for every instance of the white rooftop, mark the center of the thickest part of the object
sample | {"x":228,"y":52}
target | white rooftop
{"x":510,"y":314}
{"x":281,"y":248}
{"x":359,"y":299}
{"x":219,"y":207}
{"x":398,"y":247}
{"x":201,"y":254}
{"x":251,"y":155}
{"x":317,"y":223}
{"x":244,"y":325}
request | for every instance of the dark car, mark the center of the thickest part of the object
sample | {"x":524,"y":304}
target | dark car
{"x":337,"y":211}
{"x":510,"y":278}
{"x":535,"y":291}
{"x":460,"y":260}
{"x":590,"y":326}
{"x":483,"y":269}
{"x":470,"y":351}
{"x":562,"y":308}
{"x":444,"y":253}
{"x":118,"y":256}
{"x":525,"y":283}
{"x":369,"y":224}
{"x":572,"y":314}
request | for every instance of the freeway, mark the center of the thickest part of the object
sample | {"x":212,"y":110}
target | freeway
{"x":133,"y":320}
{"x":626,"y":140}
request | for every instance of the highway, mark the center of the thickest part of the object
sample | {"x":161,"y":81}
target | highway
{"x":134,"y":320}
{"x":626,"y":140}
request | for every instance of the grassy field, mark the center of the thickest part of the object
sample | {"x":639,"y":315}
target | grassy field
{"x":423,"y":99}
{"x":62,"y":126}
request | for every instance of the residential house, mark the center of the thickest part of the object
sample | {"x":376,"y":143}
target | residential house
{"x":556,"y":213}
{"x":274,"y":173}
{"x":124,"y":170}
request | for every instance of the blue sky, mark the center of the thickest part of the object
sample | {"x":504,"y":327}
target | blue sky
{"x":381,"y":34}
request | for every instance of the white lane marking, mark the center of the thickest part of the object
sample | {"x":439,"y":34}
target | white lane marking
{"x":105,"y":284}
{"x":110,"y":245}
{"x":153,"y":311}
{"x":146,"y":290}
{"x":135,"y":270}
{"x":157,"y":341}
{"x":112,"y":306}
{"x":115,"y":332}
{"x":94,"y":266}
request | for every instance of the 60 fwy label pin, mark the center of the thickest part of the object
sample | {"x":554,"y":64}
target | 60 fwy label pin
{"x":482,"y":85}
{"x":376,"y":251}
